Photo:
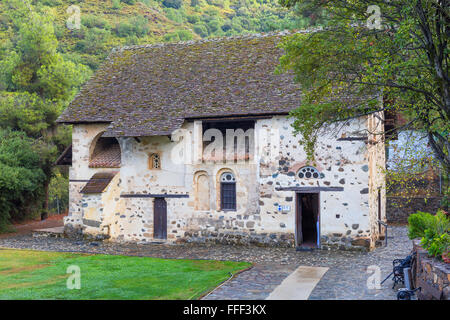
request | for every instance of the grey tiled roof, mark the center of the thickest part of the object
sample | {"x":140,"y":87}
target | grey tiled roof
{"x":150,"y":90}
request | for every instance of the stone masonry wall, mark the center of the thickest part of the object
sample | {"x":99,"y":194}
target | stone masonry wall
{"x":345,"y":220}
{"x":83,"y":136}
{"x":399,"y":208}
{"x":432,"y":275}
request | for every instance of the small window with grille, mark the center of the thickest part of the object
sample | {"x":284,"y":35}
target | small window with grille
{"x":228,"y":191}
{"x":154,"y":161}
{"x":308,"y":173}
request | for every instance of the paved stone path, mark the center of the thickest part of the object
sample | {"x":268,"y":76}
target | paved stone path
{"x":346,"y":278}
{"x":299,"y":284}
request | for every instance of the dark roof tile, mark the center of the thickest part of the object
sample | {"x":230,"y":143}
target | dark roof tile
{"x":98,"y":182}
{"x":150,"y":90}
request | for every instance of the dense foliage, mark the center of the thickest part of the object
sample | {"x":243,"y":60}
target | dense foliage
{"x":20,"y":176}
{"x":381,"y":56}
{"x":36,"y":84}
{"x":110,"y":23}
{"x":434,"y":231}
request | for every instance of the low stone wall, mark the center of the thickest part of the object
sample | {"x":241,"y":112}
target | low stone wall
{"x":339,"y":242}
{"x":398,"y":209}
{"x":286,"y":240}
{"x":240,"y":238}
{"x":432,"y":275}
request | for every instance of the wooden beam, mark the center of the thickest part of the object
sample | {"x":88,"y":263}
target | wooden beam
{"x":149,"y":195}
{"x":353,"y":139}
{"x":236,"y":117}
{"x":309,"y":189}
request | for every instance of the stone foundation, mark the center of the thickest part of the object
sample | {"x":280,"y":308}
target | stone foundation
{"x":73,"y":231}
{"x":345,"y":243}
{"x":432,"y":275}
{"x":241,"y":238}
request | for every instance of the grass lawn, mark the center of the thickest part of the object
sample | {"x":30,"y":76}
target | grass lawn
{"x":26,"y":274}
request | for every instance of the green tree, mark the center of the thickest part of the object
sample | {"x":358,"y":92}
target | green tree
{"x":37,"y":84}
{"x":176,"y":4}
{"x":33,"y":63}
{"x":21,"y":177}
{"x":399,"y":57}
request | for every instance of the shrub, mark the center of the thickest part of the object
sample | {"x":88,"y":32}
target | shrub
{"x":193,"y":19}
{"x":4,"y":21}
{"x":132,"y":40}
{"x":151,"y":3}
{"x":116,"y":5}
{"x":176,"y":4}
{"x":130,"y":2}
{"x":436,"y":244}
{"x":137,"y":26}
{"x":201,"y":30}
{"x":179,"y":35}
{"x":214,"y":25}
{"x":211,"y":12}
{"x":140,"y":25}
{"x":59,"y":31}
{"x":124,"y":29}
{"x":92,"y":21}
{"x":226,"y":27}
{"x":51,"y":3}
{"x":94,"y":41}
{"x":434,"y":231}
{"x":418,"y":223}
{"x":171,"y":37}
{"x":174,"y":15}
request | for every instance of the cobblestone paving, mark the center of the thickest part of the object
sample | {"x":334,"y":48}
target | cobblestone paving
{"x":346,"y":278}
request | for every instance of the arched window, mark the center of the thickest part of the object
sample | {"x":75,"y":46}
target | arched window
{"x":308,"y":173}
{"x":154,"y":161}
{"x":105,"y":153}
{"x":228,"y":191}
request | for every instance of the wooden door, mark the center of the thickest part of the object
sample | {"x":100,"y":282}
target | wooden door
{"x":307,"y":220}
{"x":298,"y":221}
{"x":160,"y":219}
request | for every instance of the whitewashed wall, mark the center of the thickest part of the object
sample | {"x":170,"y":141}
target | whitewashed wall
{"x":344,"y":220}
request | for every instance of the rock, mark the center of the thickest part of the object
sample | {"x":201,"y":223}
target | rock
{"x":361,"y":242}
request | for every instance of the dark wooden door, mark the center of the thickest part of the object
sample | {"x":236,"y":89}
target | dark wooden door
{"x":160,"y":219}
{"x":307,"y":220}
{"x":298,"y":221}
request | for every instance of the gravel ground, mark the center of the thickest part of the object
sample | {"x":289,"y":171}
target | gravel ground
{"x":346,"y":278}
{"x":29,"y":226}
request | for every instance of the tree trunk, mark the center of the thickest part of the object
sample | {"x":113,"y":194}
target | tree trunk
{"x":44,"y":213}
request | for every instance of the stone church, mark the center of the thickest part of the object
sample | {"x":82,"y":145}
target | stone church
{"x":192,"y":142}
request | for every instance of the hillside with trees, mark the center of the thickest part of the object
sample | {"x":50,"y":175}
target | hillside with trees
{"x":110,"y":23}
{"x":44,"y":62}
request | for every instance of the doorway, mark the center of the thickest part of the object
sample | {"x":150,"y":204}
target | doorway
{"x":160,"y":219}
{"x":307,"y":231}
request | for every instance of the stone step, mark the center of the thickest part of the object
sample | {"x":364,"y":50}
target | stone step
{"x":56,"y":232}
